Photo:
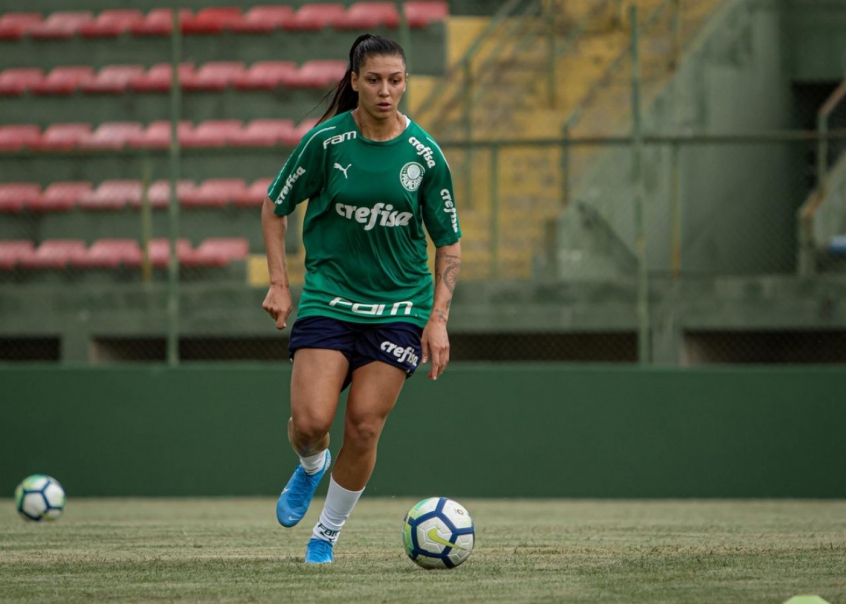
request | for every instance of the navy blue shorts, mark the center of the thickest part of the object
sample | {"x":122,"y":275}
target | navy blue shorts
{"x":396,"y":344}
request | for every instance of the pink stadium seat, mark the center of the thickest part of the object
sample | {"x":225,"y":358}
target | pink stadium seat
{"x":159,"y":193}
{"x":112,"y":195}
{"x":266,"y":75}
{"x":300,"y":131}
{"x":14,"y":138}
{"x":113,"y":79}
{"x":263,"y":19}
{"x":215,"y":192}
{"x":211,"y":20}
{"x":61,"y":137}
{"x":55,"y":254}
{"x":13,"y":26}
{"x":111,"y":135}
{"x":213,"y":133}
{"x":64,"y":80}
{"x":218,"y":252}
{"x":314,"y":17}
{"x":158,"y":22}
{"x":111,"y":23}
{"x":158,"y":79}
{"x":157,"y":135}
{"x":61,"y":25}
{"x":109,"y":253}
{"x":14,"y":82}
{"x":213,"y":76}
{"x":60,"y":197}
{"x":255,"y":195}
{"x":263,"y":133}
{"x":319,"y":74}
{"x":14,"y":196}
{"x":13,"y":251}
{"x":159,"y":251}
{"x":422,"y":13}
{"x":366,"y":15}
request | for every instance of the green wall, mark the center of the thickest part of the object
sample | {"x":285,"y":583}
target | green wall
{"x":486,"y":431}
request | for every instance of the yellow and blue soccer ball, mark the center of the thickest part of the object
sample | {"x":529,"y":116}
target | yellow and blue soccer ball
{"x":438,"y":533}
{"x":40,"y":497}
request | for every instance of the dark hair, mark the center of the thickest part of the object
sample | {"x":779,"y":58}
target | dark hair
{"x":344,"y":98}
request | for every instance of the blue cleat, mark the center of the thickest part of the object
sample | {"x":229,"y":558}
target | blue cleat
{"x":296,"y":496}
{"x":319,"y":551}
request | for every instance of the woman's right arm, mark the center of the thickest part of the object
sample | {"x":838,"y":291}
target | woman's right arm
{"x":278,"y":300}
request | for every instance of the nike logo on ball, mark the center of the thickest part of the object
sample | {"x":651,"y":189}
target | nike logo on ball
{"x":434,"y":536}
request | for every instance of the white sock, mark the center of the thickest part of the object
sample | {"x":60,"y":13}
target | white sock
{"x":338,"y":507}
{"x":313,"y":463}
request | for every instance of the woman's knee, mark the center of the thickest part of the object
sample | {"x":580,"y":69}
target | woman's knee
{"x":363,"y":432}
{"x":310,"y":430}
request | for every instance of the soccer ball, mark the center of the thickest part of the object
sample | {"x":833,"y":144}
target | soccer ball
{"x":438,"y":533}
{"x":40,"y":497}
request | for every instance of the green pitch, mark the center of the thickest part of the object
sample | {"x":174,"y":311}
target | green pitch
{"x":226,"y":550}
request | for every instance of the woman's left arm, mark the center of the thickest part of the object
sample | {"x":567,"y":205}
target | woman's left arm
{"x":435,"y":339}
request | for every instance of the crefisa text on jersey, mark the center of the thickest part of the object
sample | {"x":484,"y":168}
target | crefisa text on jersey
{"x":289,"y":182}
{"x":449,"y":208}
{"x":423,"y":151}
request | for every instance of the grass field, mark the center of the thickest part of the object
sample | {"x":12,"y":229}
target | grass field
{"x":232,"y":550}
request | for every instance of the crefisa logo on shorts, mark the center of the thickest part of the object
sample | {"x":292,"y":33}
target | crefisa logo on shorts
{"x":403,"y":354}
{"x":411,"y":176}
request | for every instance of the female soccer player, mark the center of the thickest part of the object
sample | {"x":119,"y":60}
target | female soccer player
{"x":368,"y":310}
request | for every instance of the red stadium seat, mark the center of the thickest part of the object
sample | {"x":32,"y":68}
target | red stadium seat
{"x":421,"y":14}
{"x":213,"y":76}
{"x":158,"y":79}
{"x":109,"y":253}
{"x":366,"y":15}
{"x":263,"y":133}
{"x":159,"y":250}
{"x":61,"y":25}
{"x":112,"y":195}
{"x":113,"y":79}
{"x":301,"y":130}
{"x":215,"y":192}
{"x":64,"y":80}
{"x":13,"y":26}
{"x":314,"y":17}
{"x":266,"y":75}
{"x":13,"y":251}
{"x":61,"y":137}
{"x":218,"y":252}
{"x":14,"y":196}
{"x":14,"y":82}
{"x":111,"y":135}
{"x":319,"y":74}
{"x":263,"y":19}
{"x":15,"y":138}
{"x":60,"y":197}
{"x":55,"y":254}
{"x":255,"y":195}
{"x":158,"y":22}
{"x":211,"y":20}
{"x":159,"y":193}
{"x":111,"y":23}
{"x":213,"y":133}
{"x":157,"y":135}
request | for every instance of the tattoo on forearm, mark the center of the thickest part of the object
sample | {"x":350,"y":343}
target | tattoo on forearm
{"x":441,"y":315}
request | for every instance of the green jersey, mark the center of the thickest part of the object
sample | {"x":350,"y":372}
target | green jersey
{"x":363,"y":230}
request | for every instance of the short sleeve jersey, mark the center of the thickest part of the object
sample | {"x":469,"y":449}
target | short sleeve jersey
{"x":363,"y":232}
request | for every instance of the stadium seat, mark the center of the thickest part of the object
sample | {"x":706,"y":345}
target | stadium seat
{"x":111,"y":135}
{"x":211,"y":20}
{"x":263,"y":133}
{"x":13,"y":251}
{"x":15,"y":196}
{"x":113,"y":79}
{"x":263,"y":19}
{"x":213,"y":76}
{"x":421,"y":14}
{"x":215,"y":192}
{"x":60,"y":197}
{"x":366,"y":15}
{"x":55,"y":254}
{"x":300,"y":131}
{"x":15,"y":138}
{"x":213,"y":133}
{"x":61,"y":25}
{"x":264,"y":75}
{"x":314,"y":17}
{"x":319,"y":74}
{"x":61,"y":137}
{"x":111,"y":23}
{"x":64,"y":80}
{"x":157,"y":135}
{"x":159,"y":78}
{"x":112,"y":195}
{"x":15,"y":82}
{"x":218,"y":252}
{"x":158,"y":22}
{"x":255,"y":195}
{"x":13,"y":26}
{"x":159,"y":250}
{"x":109,"y":253}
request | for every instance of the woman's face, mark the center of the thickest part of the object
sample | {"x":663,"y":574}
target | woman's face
{"x":380,"y":84}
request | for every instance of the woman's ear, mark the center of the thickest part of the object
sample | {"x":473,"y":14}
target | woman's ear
{"x":354,"y":80}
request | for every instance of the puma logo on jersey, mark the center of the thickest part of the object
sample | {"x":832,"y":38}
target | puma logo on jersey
{"x":381,"y":214}
{"x":343,"y":169}
{"x":339,"y":138}
{"x":423,"y":151}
